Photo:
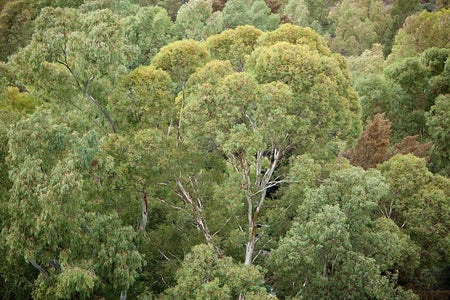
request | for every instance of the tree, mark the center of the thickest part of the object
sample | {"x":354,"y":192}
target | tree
{"x":375,"y":91}
{"x":255,"y":13}
{"x":180,"y":59}
{"x":234,"y":45}
{"x":414,"y":99}
{"x":149,"y":29}
{"x":359,"y":24}
{"x":75,"y":57}
{"x":15,"y":26}
{"x":411,"y":145}
{"x":308,"y":13}
{"x":297,"y":12}
{"x":372,"y":147}
{"x":338,"y":247}
{"x":400,"y":10}
{"x":295,"y":35}
{"x":234,"y":114}
{"x":438,"y":124}
{"x":404,"y":90}
{"x":196,"y":20}
{"x":54,"y":223}
{"x":418,"y":203}
{"x":143,"y":100}
{"x":419,"y":32}
{"x":313,"y":78}
{"x":17,"y":22}
{"x":205,"y":275}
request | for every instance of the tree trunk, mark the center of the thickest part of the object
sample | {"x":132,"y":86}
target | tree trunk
{"x":144,"y":211}
{"x":197,"y":209}
{"x":249,"y":250}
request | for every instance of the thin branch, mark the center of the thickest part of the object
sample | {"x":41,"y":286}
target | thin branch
{"x":239,"y":225}
{"x":259,"y":156}
{"x":169,"y":204}
{"x":66,"y":64}
{"x":103,"y":111}
{"x":272,"y":184}
{"x":163,"y":255}
{"x":21,"y":87}
{"x":226,"y":222}
{"x":260,"y":251}
{"x":37,"y":266}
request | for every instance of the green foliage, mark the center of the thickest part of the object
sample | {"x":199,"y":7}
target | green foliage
{"x":333,"y":245}
{"x":439,"y":126}
{"x":180,"y":59}
{"x":196,"y":20}
{"x":309,"y":13}
{"x":149,"y":29}
{"x":204,"y":275}
{"x":17,"y":22}
{"x":143,"y":100}
{"x":216,"y":147}
{"x":234,"y":45}
{"x":297,"y":12}
{"x":419,"y":203}
{"x":404,"y":90}
{"x":122,"y":8}
{"x":15,"y":26}
{"x":235,"y":114}
{"x":414,"y":99}
{"x":419,"y":32}
{"x":359,"y":24}
{"x":314,"y":79}
{"x":295,"y":35}
{"x":74,"y":58}
{"x":255,"y":13}
{"x":52,"y":214}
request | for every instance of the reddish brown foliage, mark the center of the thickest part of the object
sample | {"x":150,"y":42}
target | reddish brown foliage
{"x":411,"y":145}
{"x":372,"y":147}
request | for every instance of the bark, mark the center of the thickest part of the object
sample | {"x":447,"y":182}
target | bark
{"x":143,"y":223}
{"x":197,"y":208}
{"x":102,"y":110}
{"x":262,"y":186}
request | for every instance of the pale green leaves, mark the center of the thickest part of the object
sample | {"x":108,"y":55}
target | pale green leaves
{"x":205,"y":275}
{"x":256,"y":13}
{"x":337,"y":243}
{"x":196,"y":20}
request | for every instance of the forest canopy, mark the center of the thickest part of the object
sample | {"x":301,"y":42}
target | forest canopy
{"x":213,"y":149}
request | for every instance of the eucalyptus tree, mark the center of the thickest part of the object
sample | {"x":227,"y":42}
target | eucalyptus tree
{"x":196,"y":20}
{"x":420,"y":32}
{"x":75,"y":58}
{"x":359,"y":24}
{"x":289,"y":99}
{"x":339,"y":246}
{"x":234,"y":45}
{"x":54,"y":222}
{"x":418,"y":203}
{"x":438,"y":124}
{"x":205,"y":275}
{"x":149,"y":29}
{"x":255,"y":13}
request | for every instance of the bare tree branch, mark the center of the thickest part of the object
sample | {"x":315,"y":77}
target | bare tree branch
{"x":103,"y":111}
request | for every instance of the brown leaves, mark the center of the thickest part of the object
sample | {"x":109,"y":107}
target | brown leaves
{"x":373,"y":147}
